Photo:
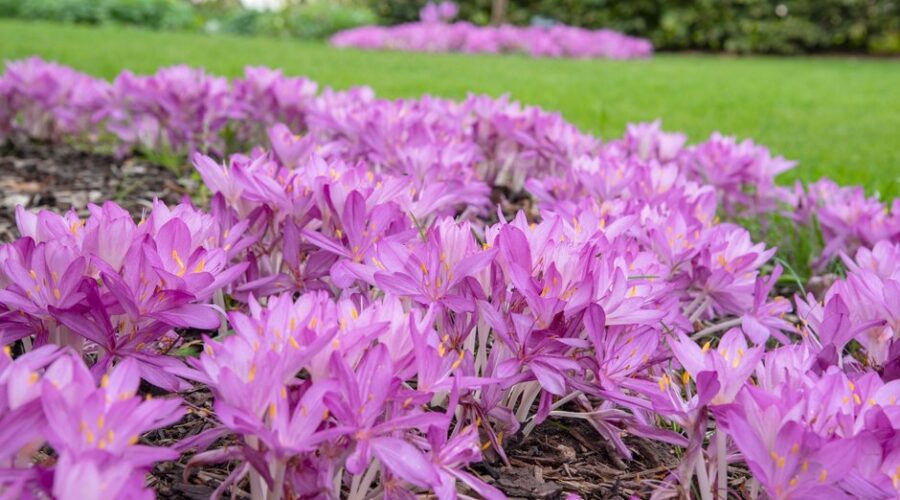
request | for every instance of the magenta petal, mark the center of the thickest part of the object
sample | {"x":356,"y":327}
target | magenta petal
{"x":404,"y":460}
{"x":190,"y":316}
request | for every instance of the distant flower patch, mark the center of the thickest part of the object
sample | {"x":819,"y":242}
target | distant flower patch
{"x":435,"y":33}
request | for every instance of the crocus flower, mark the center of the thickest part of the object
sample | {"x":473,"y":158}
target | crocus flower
{"x":787,"y":459}
{"x":430,"y":271}
{"x":732,"y":362}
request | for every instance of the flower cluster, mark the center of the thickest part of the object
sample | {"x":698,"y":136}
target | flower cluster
{"x":48,"y":397}
{"x":409,"y":283}
{"x":436,"y":33}
{"x":117,"y":289}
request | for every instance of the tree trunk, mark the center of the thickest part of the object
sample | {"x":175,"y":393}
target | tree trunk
{"x":498,"y":11}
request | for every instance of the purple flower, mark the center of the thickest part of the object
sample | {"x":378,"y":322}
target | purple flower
{"x":431,"y":270}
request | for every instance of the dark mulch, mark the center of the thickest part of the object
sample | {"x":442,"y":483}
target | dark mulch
{"x":511,"y":202}
{"x":567,"y":456}
{"x":168,"y":478}
{"x":60,"y":177}
{"x":557,"y":458}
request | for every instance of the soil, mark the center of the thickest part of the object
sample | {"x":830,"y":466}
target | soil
{"x":567,"y":456}
{"x":557,"y":458}
{"x":59,"y":177}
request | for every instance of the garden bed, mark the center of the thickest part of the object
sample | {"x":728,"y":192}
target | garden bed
{"x":557,"y":457}
{"x":380,"y":298}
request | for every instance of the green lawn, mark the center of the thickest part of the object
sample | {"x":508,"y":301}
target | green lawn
{"x":838,"y":116}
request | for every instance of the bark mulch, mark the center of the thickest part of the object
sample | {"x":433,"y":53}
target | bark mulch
{"x":59,"y":177}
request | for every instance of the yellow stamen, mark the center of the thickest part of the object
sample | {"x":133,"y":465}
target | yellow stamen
{"x":104,"y":381}
{"x":462,"y":355}
{"x":664,"y":382}
{"x":178,"y":261}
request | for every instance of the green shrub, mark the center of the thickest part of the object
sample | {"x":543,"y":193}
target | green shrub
{"x":241,"y":22}
{"x":316,"y":20}
{"x":323,"y":19}
{"x":154,"y":14}
{"x":72,"y":11}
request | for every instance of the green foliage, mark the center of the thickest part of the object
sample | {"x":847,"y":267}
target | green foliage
{"x":155,"y":14}
{"x":323,"y":19}
{"x":740,"y":26}
{"x":317,"y":20}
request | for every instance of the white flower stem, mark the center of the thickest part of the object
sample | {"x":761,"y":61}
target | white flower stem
{"x":716,"y":328}
{"x":703,"y":478}
{"x":722,"y":464}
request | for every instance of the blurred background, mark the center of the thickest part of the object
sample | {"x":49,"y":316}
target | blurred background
{"x":734,"y":26}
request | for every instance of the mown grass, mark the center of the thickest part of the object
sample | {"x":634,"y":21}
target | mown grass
{"x":838,"y":117}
